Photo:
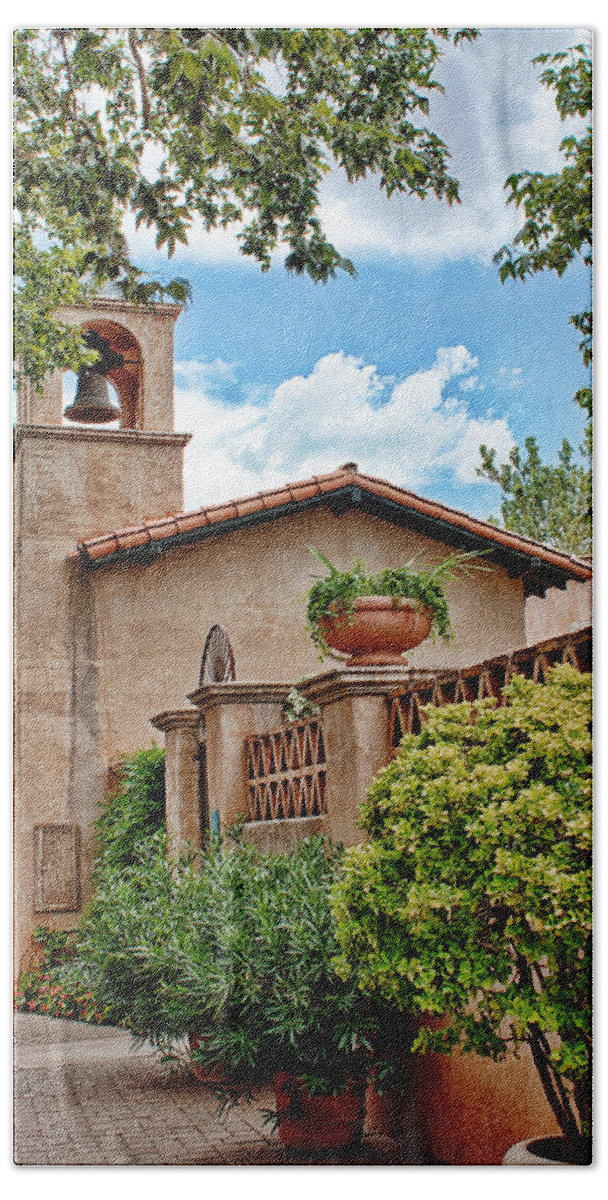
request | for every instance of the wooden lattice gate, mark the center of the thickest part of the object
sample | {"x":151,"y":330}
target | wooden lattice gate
{"x":286,"y":772}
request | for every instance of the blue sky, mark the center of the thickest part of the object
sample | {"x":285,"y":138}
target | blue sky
{"x":408,"y":367}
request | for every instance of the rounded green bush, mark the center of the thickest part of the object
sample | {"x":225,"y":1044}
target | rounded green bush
{"x":472,"y":898}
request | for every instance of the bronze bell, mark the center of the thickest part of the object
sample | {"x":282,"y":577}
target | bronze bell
{"x":92,"y":404}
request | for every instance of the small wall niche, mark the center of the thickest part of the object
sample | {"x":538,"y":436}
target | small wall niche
{"x":57,"y":868}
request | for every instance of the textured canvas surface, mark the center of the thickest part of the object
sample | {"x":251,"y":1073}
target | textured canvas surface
{"x":371,"y":287}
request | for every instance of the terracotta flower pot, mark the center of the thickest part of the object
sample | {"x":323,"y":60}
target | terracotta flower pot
{"x":378,"y":630}
{"x":317,"y":1122}
{"x":545,"y":1152}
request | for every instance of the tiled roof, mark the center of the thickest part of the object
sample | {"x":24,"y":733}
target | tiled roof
{"x":156,"y":535}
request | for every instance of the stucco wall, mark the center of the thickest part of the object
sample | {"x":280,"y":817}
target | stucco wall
{"x":153,"y":621}
{"x":68,"y":483}
{"x":560,"y":611}
{"x":73,"y":483}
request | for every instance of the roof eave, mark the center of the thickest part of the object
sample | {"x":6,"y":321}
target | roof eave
{"x":536,"y":572}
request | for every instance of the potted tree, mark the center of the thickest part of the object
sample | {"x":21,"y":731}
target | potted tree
{"x":375,"y":618}
{"x":471,"y":901}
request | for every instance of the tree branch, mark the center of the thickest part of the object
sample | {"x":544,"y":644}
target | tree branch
{"x":60,"y":35}
{"x":552,"y":1085}
{"x":145,"y":98}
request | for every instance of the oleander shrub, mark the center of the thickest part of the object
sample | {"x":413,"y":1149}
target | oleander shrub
{"x":135,"y":812}
{"x":472,"y":898}
{"x":238,"y":948}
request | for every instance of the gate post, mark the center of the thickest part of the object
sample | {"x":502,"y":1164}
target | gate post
{"x":233,"y":712}
{"x":182,"y":795}
{"x":354,"y":704}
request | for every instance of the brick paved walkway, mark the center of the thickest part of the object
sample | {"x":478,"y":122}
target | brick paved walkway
{"x":83,"y":1095}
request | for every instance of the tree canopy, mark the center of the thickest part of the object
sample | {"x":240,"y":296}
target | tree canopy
{"x":558,"y":208}
{"x":229,"y":126}
{"x":553,"y":503}
{"x":549,"y":503}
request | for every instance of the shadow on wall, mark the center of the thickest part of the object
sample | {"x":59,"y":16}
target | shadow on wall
{"x":86,"y":776}
{"x":560,"y":611}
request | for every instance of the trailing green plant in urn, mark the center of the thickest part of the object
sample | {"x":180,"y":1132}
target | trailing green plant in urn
{"x":332,"y":598}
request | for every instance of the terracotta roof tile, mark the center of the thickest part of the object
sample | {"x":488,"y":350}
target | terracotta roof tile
{"x":276,"y":499}
{"x":221,"y":512}
{"x":159,"y":530}
{"x":462,"y":520}
{"x":303,"y":491}
{"x":244,"y":507}
{"x":194,"y":520}
{"x":100,"y":547}
{"x":327,"y":484}
{"x":129,"y":538}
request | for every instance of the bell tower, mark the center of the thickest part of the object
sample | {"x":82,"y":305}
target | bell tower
{"x":135,"y":347}
{"x":84,"y":465}
{"x":101,"y":462}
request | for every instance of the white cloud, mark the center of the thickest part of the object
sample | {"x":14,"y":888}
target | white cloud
{"x":471,"y":384}
{"x":212,"y":470}
{"x":336,"y":414}
{"x":198,"y":374}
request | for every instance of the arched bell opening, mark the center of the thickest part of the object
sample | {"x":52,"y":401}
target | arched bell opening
{"x":111,"y":391}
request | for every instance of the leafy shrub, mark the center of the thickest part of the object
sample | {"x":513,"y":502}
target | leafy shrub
{"x":132,"y":913}
{"x":473,"y":897}
{"x":333,"y":595}
{"x":63,"y":982}
{"x":137,"y":811}
{"x":240,"y":951}
{"x":57,"y":985}
{"x":298,"y":708}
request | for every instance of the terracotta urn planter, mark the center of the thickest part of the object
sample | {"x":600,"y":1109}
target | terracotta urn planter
{"x":545,"y":1152}
{"x":378,"y":630}
{"x":317,"y":1122}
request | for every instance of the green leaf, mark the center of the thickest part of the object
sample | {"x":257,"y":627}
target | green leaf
{"x":227,"y":142}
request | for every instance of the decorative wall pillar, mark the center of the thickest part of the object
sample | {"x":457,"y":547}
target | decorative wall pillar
{"x":355,"y":709}
{"x":234,"y":711}
{"x":182,"y":791}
